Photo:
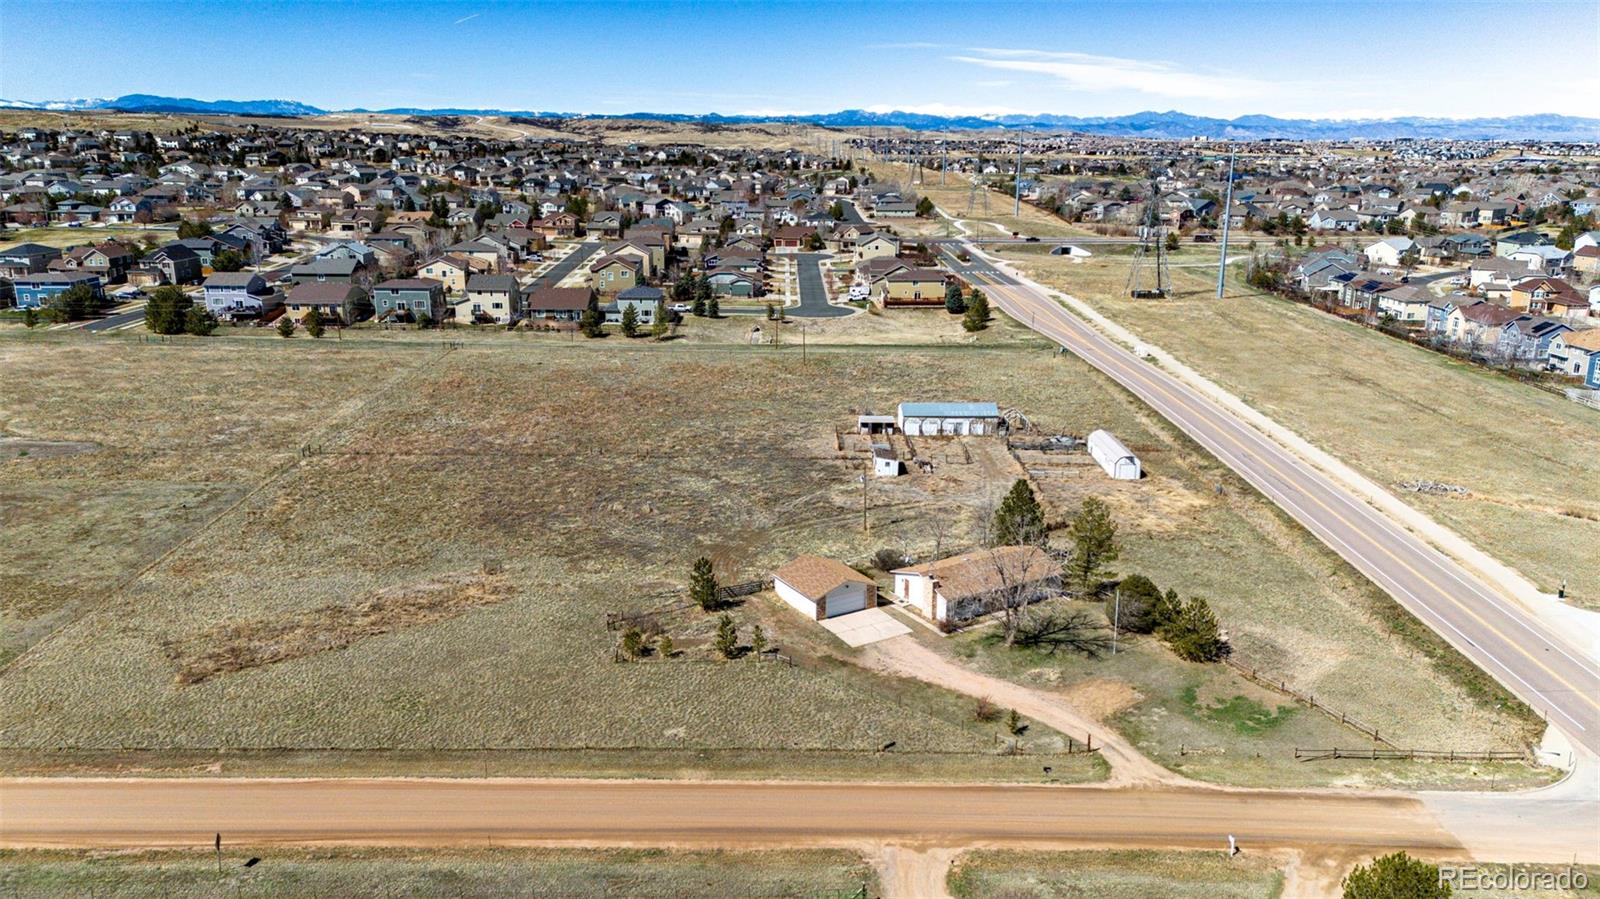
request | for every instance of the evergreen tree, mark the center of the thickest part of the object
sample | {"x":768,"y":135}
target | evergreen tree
{"x":1195,"y":636}
{"x":954,"y":302}
{"x":977,"y":317}
{"x":758,"y":641}
{"x":702,"y":291}
{"x":1165,"y":611}
{"x":30,"y":317}
{"x":1396,"y":876}
{"x":713,"y":307}
{"x":632,"y":643}
{"x":199,"y":321}
{"x":167,"y":310}
{"x":73,"y":304}
{"x":1135,"y":604}
{"x":227,"y":261}
{"x":313,"y":322}
{"x":727,"y":640}
{"x":1094,"y":546}
{"x":285,"y":326}
{"x":1014,"y":722}
{"x":703,"y":585}
{"x":591,"y":323}
{"x":630,"y":322}
{"x":699,"y":306}
{"x":924,"y":207}
{"x":1019,"y":521}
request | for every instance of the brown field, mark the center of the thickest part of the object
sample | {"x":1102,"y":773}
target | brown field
{"x":271,"y":514}
{"x":1122,"y":874}
{"x":1525,"y":455}
{"x":575,"y":873}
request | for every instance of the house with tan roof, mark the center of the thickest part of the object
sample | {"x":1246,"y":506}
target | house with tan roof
{"x":822,"y":588}
{"x":968,"y":585}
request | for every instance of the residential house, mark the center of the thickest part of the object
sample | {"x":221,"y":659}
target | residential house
{"x":490,"y":299}
{"x":614,"y":274}
{"x":564,"y":304}
{"x":36,"y":290}
{"x":408,"y":299}
{"x":451,"y":271}
{"x":911,"y":287}
{"x":1526,"y":339}
{"x":26,"y":259}
{"x":1575,"y":353}
{"x":963,"y":587}
{"x":237,"y":294}
{"x":175,"y":263}
{"x":338,"y":302}
{"x":1390,"y":251}
{"x":875,"y":245}
{"x":1406,"y":305}
{"x":1548,"y":296}
{"x":645,"y":301}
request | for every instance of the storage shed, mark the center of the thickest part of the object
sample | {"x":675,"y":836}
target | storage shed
{"x":824,"y":588}
{"x":935,"y":419}
{"x":1116,"y":459}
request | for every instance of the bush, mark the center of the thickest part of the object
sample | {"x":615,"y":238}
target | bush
{"x":285,"y":326}
{"x":1195,"y":636}
{"x":1134,"y":606}
{"x":985,"y":710}
{"x":887,"y":560}
{"x":199,"y":321}
{"x":1396,"y":876}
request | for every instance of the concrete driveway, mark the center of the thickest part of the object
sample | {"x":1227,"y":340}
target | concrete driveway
{"x":864,"y":627}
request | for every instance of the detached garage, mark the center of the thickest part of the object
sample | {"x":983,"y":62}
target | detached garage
{"x":824,"y":588}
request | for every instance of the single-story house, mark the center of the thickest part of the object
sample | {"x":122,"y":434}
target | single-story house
{"x":558,"y":303}
{"x":823,"y":588}
{"x":968,"y":585}
{"x":335,"y":301}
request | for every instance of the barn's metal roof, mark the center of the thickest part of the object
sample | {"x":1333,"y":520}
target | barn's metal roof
{"x":949,"y":410}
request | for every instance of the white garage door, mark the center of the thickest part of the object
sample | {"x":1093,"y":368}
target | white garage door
{"x":847,"y":599}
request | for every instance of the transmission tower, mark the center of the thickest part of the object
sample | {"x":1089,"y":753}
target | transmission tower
{"x":1148,"y":278}
{"x":977,"y":195}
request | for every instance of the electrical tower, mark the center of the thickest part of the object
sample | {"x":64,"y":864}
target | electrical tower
{"x":977,"y":195}
{"x":1148,"y":278}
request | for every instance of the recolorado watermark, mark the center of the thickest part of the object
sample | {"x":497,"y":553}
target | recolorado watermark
{"x":1511,"y":879}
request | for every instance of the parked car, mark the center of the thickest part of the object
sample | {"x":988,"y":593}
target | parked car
{"x":681,"y":307}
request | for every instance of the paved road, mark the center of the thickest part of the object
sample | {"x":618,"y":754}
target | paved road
{"x":572,"y":260}
{"x":1555,"y":676}
{"x":813,"y":294}
{"x":176,"y":812}
{"x":117,"y":320}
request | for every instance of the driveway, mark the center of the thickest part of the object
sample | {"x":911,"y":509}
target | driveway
{"x":572,"y":260}
{"x":864,"y":627}
{"x":813,"y":293}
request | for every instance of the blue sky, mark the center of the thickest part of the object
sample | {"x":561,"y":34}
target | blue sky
{"x":1231,"y":57}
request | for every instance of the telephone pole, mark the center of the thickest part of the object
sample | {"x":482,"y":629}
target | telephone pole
{"x":1227,"y":219}
{"x":1016,"y":206}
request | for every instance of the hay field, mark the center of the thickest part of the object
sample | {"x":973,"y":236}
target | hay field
{"x":1393,"y":411}
{"x":575,"y":873}
{"x":1114,"y":874}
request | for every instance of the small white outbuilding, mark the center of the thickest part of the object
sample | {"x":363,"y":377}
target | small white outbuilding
{"x":822,"y":588}
{"x":1118,"y":461}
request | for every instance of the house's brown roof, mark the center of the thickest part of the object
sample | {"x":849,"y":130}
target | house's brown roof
{"x":559,"y":299}
{"x":984,"y":571}
{"x":815,"y":576}
{"x":1583,"y":340}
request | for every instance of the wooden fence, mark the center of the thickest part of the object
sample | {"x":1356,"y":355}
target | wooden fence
{"x":1432,"y":755}
{"x":1283,"y":687}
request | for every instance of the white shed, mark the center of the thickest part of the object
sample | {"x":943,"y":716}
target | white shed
{"x":823,"y":588}
{"x":948,"y":419}
{"x":1116,"y":459}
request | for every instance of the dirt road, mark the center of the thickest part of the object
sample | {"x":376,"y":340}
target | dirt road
{"x":906,"y":657}
{"x":187,"y":812}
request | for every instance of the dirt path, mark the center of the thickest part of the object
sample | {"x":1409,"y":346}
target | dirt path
{"x":905,"y":657}
{"x":907,"y":872}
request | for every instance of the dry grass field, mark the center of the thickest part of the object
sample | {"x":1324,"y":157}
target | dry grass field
{"x":1396,"y":412}
{"x":303,"y":611}
{"x":396,"y":873}
{"x":1122,"y":874}
{"x":69,"y":237}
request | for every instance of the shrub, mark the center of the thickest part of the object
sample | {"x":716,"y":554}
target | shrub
{"x":1396,"y":876}
{"x":887,"y":559}
{"x":985,"y":710}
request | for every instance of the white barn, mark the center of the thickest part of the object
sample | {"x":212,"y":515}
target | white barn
{"x":823,"y":588}
{"x":949,"y":419}
{"x":1118,"y":461}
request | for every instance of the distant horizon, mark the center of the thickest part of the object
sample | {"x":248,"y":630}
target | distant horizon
{"x":46,"y":105}
{"x":778,"y":58}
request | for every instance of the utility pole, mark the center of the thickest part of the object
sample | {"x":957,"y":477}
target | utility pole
{"x":1116,"y":615}
{"x":944,"y":165}
{"x":1227,"y":217}
{"x":1016,"y":206}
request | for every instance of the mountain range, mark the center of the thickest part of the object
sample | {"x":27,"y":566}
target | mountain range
{"x":1169,"y":124}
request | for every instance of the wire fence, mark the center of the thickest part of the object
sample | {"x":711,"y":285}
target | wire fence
{"x":1281,"y":686}
{"x":1396,"y":754}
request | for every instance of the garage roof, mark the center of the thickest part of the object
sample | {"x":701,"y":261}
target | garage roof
{"x":814,"y":577}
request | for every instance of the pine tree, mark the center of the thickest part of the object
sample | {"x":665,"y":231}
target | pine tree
{"x":977,"y":317}
{"x":313,"y":322}
{"x":726,"y":642}
{"x":703,"y":585}
{"x":1014,"y":722}
{"x":1135,"y":604}
{"x":167,"y":310}
{"x":199,"y":321}
{"x":632,"y":643}
{"x":699,"y":306}
{"x":1020,"y":519}
{"x":713,"y":307}
{"x":1164,"y":612}
{"x":1094,"y":546}
{"x":630,"y":322}
{"x":758,"y":641}
{"x":954,"y":302}
{"x":30,"y":317}
{"x":664,"y":646}
{"x":1196,"y":637}
{"x":285,"y":326}
{"x":591,"y":324}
